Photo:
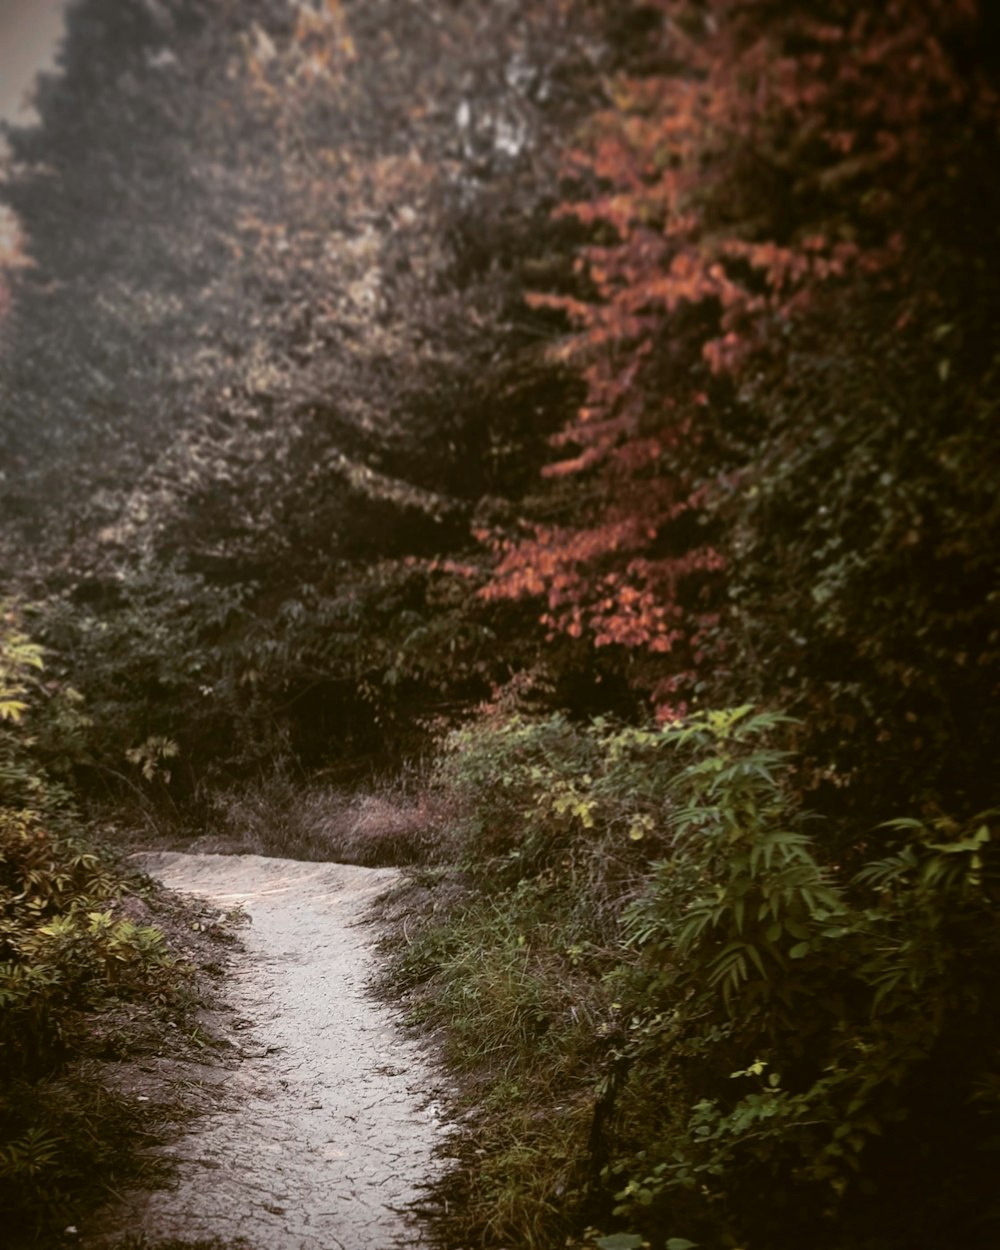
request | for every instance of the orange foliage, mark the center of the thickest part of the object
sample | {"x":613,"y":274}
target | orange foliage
{"x":768,"y":155}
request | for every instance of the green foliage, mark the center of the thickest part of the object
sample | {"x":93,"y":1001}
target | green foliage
{"x":64,"y":1140}
{"x":355,"y":661}
{"x":153,"y":658}
{"x":22,"y":687}
{"x":66,"y":949}
{"x":18,"y":656}
{"x":864,"y":538}
{"x":29,"y":1156}
{"x":187,"y":682}
{"x":550,"y":782}
{"x":62,"y":948}
{"x":756,"y":1044}
{"x":796,"y":1016}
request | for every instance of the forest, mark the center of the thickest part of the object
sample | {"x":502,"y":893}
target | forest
{"x":551,"y":446}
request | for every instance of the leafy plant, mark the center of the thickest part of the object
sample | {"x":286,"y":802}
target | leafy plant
{"x":778,"y":486}
{"x":744,"y":1030}
{"x":66,"y":949}
{"x":18,"y":657}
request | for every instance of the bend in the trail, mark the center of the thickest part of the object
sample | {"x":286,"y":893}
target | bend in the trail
{"x":327,"y":1129}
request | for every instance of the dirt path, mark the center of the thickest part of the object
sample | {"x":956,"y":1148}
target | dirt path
{"x":328,"y":1127}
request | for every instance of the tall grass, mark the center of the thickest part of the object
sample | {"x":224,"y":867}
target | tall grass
{"x":393,"y":822}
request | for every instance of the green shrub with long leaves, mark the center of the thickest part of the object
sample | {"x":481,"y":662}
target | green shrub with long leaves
{"x":825,"y":1045}
{"x":66,"y":949}
{"x":775,"y":1048}
{"x":61,"y":946}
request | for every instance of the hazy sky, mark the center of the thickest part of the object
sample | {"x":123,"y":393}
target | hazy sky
{"x":29,"y":38}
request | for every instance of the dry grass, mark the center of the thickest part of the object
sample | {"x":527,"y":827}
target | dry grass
{"x":398,"y":822}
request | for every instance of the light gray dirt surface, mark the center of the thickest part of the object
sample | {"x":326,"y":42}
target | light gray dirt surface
{"x":327,"y":1128}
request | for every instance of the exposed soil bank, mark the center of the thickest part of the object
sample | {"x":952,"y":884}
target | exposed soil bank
{"x":328,"y":1126}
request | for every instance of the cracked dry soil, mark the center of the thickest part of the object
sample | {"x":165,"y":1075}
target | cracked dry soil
{"x":326,"y":1130}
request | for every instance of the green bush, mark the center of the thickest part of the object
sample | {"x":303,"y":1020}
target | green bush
{"x":66,"y":949}
{"x":821,"y":1040}
{"x":154,"y":656}
{"x":61,"y":946}
{"x":189,"y":682}
{"x":735,"y":1037}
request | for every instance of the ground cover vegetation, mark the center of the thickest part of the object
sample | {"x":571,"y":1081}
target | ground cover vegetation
{"x":607,"y":394}
{"x":86,"y":975}
{"x":684,"y":1018}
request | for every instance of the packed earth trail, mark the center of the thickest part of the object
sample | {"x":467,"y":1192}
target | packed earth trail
{"x":327,"y":1129}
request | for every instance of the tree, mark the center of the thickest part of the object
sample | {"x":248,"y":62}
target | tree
{"x":763,"y":175}
{"x":271,"y":334}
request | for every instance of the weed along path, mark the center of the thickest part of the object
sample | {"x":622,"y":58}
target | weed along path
{"x":327,"y":1128}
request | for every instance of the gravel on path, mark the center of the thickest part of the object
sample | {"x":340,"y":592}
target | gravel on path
{"x":327,"y":1128}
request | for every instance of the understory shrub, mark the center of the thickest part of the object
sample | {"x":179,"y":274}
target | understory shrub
{"x":685,"y":1021}
{"x":68,"y":947}
{"x":192,"y":684}
{"x":62,"y":947}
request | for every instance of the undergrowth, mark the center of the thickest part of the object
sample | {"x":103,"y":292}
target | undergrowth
{"x":386,"y":822}
{"x":75,"y":949}
{"x":680,"y":1021}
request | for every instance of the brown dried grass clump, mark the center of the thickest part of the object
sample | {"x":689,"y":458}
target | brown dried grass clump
{"x":394,"y":823}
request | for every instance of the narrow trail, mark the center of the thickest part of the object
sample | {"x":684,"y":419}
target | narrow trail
{"x":327,"y":1128}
